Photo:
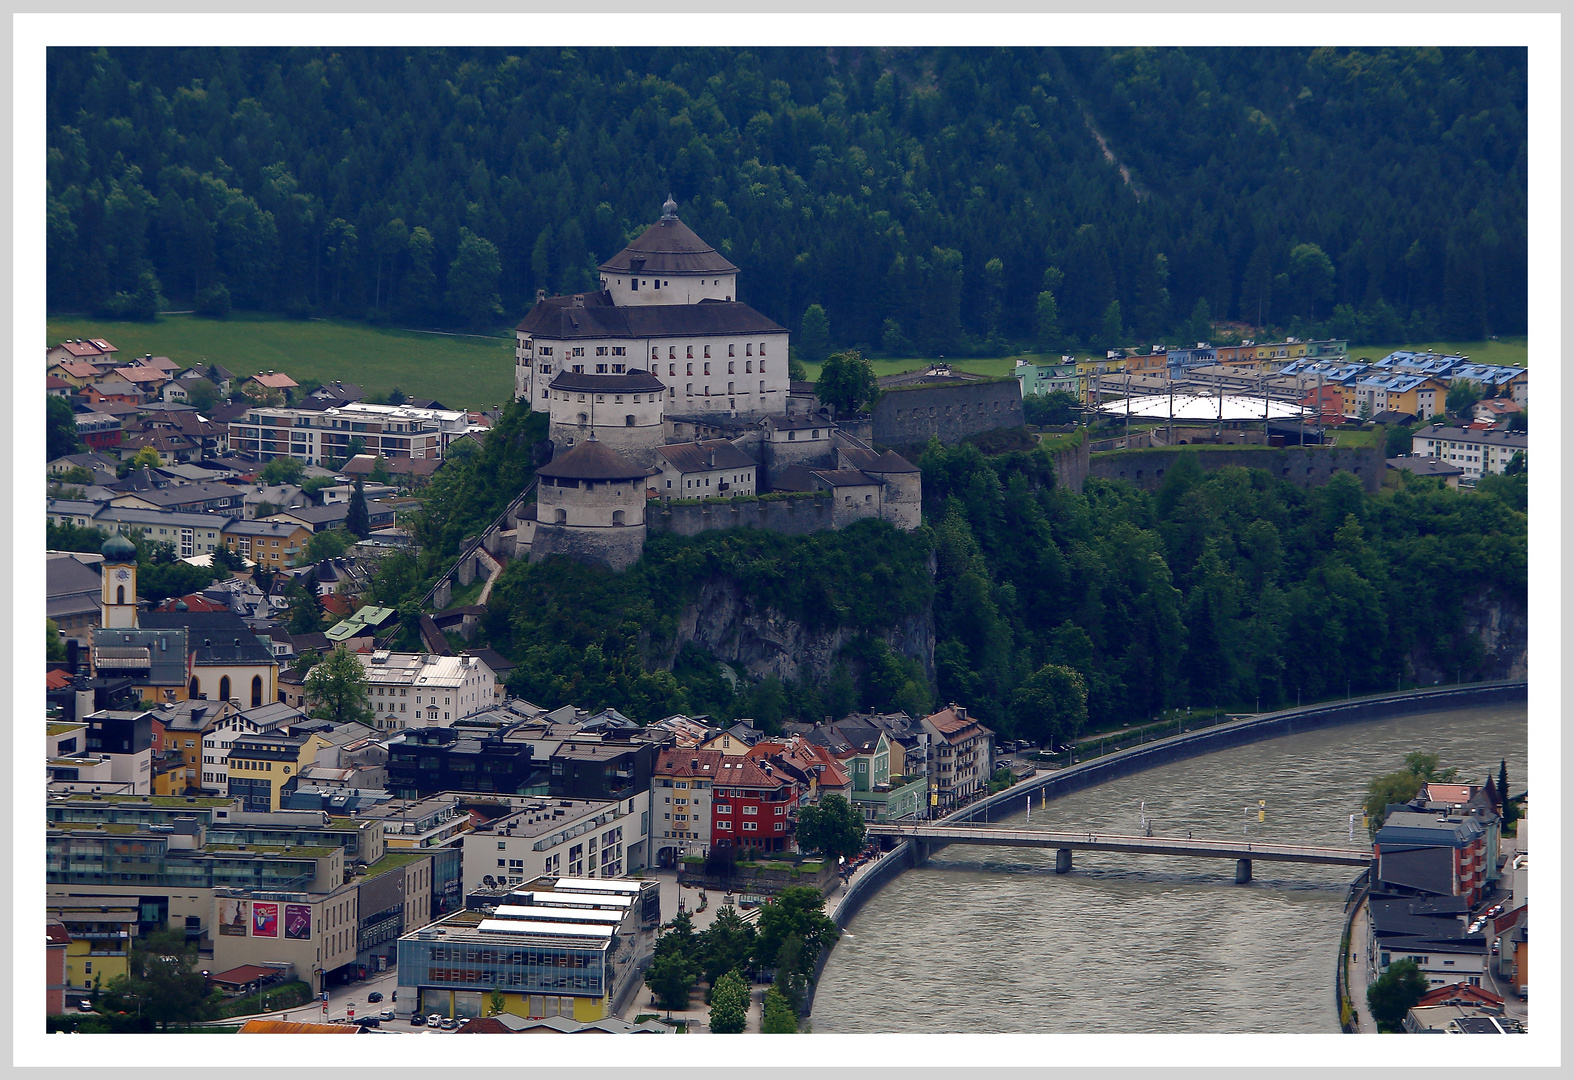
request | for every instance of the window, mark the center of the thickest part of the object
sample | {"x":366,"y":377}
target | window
{"x":672,"y":352}
{"x":732,"y":350}
{"x":724,"y":826}
{"x":707,"y":369}
{"x":672,"y":369}
{"x":748,"y":367}
{"x":749,"y":826}
{"x":748,"y":350}
{"x":749,"y":811}
{"x":691,"y":352}
{"x":690,"y":370}
{"x":762,"y":353}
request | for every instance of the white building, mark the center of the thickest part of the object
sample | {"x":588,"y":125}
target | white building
{"x":666,"y":305}
{"x":216,"y":742}
{"x":558,"y":837}
{"x":316,"y":435}
{"x":624,"y":410}
{"x":705,"y":470}
{"x":424,"y":690}
{"x":1479,"y":453}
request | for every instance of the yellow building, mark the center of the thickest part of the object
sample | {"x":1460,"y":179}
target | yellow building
{"x":265,"y":766}
{"x":1089,"y":368}
{"x":101,"y":930}
{"x":276,"y":545}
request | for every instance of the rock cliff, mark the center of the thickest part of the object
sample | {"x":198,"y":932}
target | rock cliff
{"x":739,"y":631}
{"x":1501,"y":626}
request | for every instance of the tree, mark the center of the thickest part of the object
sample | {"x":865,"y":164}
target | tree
{"x":162,"y":985}
{"x":328,"y":545}
{"x":1510,"y":809}
{"x":814,"y":339}
{"x":1395,"y":993}
{"x":305,"y":608}
{"x":397,"y":396}
{"x":797,"y":910}
{"x":472,"y":281}
{"x":1199,"y":325}
{"x":283,"y":470}
{"x":265,"y":509}
{"x":226,"y":558}
{"x":145,"y":458}
{"x":202,"y":395}
{"x":847,"y":382}
{"x":1400,"y":440}
{"x":1400,"y":787}
{"x":498,"y":1003}
{"x":727,"y":944}
{"x":1046,"y":323}
{"x":60,"y":432}
{"x":54,"y":644}
{"x":254,"y":393}
{"x":676,"y":966}
{"x":338,"y":690}
{"x":358,"y":521}
{"x":792,"y":977}
{"x":380,"y":466}
{"x":1051,"y":706}
{"x":780,"y":1017}
{"x":1055,"y":407}
{"x":1311,"y":277}
{"x":214,"y":302}
{"x":835,"y":827}
{"x":729,"y":1009}
{"x":1462,"y":397}
{"x":796,"y":372}
{"x":1111,"y":332}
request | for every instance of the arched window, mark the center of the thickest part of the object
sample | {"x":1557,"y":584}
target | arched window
{"x":560,"y":516}
{"x":195,"y":690}
{"x":628,"y":421}
{"x":120,"y":594}
{"x":583,"y":419}
{"x":256,"y":691}
{"x":224,"y":688}
{"x":617,"y":517}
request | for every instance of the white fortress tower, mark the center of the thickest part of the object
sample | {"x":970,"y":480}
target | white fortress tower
{"x":590,"y":505}
{"x":624,"y":410}
{"x":667,"y":306}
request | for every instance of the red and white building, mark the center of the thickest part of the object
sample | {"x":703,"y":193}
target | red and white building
{"x":754,"y":805}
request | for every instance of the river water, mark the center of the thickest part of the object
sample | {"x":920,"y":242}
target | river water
{"x":992,"y":940}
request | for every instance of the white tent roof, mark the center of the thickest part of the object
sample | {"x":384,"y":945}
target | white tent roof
{"x":1202,"y":407}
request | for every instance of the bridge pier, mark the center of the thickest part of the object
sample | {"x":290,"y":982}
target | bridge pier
{"x":1243,"y":871}
{"x":1062,"y":860}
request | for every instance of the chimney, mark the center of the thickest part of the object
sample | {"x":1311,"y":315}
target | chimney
{"x":541,"y":294}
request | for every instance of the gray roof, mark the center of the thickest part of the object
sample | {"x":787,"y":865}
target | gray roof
{"x":703,"y":456}
{"x":67,"y":577}
{"x":558,"y":318}
{"x":668,"y":247}
{"x":869,"y":461}
{"x":1425,"y":466}
{"x":164,"y":649}
{"x":636,"y":380}
{"x":1489,"y":436}
{"x":183,"y":494}
{"x":592,"y":459}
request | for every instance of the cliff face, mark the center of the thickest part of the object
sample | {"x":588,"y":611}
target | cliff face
{"x":762,"y":640}
{"x":1501,"y":625}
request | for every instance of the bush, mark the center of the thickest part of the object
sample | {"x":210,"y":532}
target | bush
{"x":214,"y":301}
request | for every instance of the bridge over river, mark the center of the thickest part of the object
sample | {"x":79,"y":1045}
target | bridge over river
{"x":1244,"y":852}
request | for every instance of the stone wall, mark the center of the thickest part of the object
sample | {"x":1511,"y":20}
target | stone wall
{"x":618,"y":548}
{"x":950,"y":410}
{"x":792,"y":517}
{"x":1307,"y":466}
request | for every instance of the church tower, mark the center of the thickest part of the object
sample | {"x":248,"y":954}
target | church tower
{"x":118,"y":596}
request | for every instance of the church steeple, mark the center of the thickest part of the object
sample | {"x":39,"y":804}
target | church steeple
{"x":118,"y":598}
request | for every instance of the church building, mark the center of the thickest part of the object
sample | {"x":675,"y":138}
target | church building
{"x":667,"y":307}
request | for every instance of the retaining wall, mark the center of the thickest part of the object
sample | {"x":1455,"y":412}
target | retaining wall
{"x":1307,"y":466}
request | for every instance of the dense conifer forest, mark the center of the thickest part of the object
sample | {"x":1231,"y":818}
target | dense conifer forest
{"x":934,"y":200}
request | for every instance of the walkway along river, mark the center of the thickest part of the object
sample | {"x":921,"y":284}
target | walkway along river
{"x":981,"y":939}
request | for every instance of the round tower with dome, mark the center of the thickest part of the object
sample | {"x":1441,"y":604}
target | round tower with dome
{"x":590,"y":506}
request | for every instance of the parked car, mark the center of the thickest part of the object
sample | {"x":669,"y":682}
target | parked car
{"x":84,"y":1005}
{"x":386,"y":1014}
{"x":417,"y":1020}
{"x":434,"y":1020}
{"x":449,"y":1023}
{"x":368,"y":1022}
{"x":375,"y":995}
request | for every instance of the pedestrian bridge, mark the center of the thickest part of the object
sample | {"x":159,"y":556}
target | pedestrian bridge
{"x":1244,"y":852}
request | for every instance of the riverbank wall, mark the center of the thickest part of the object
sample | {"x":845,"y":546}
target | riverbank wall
{"x":1173,"y":748}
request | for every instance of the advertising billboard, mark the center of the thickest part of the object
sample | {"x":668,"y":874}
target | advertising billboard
{"x":264,"y":920}
{"x":234,"y":917}
{"x":298,"y":921}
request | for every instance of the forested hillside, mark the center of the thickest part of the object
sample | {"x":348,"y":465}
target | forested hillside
{"x":1233,"y":589}
{"x":1374,"y":194}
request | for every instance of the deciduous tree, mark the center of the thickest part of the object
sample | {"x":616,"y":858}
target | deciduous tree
{"x":337,"y":689}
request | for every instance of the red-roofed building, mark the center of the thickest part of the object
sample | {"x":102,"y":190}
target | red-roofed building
{"x":272,"y":380}
{"x":56,"y":680}
{"x":755,"y":805}
{"x":96,"y":350}
{"x":1461,"y":994}
{"x":55,"y":968}
{"x":680,"y":798}
{"x":76,"y":372}
{"x":962,"y":758}
{"x":57,"y":387}
{"x":193,"y":602}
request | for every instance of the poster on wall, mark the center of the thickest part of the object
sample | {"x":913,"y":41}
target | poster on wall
{"x":298,"y":921}
{"x":234,"y":916}
{"x":264,"y":920}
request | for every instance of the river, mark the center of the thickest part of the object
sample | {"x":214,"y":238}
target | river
{"x":992,"y":940}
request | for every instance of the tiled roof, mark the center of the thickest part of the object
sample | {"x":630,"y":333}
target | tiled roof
{"x":591,"y":459}
{"x":668,"y":247}
{"x":637,"y":380}
{"x":556,"y":318}
{"x":703,"y":456}
{"x":680,"y":762}
{"x":279,"y":381}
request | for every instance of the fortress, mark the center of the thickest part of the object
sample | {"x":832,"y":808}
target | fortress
{"x":669,"y":407}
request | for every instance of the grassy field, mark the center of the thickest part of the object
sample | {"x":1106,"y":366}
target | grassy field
{"x":477,"y":371}
{"x":1510,"y":352}
{"x":461,"y":372}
